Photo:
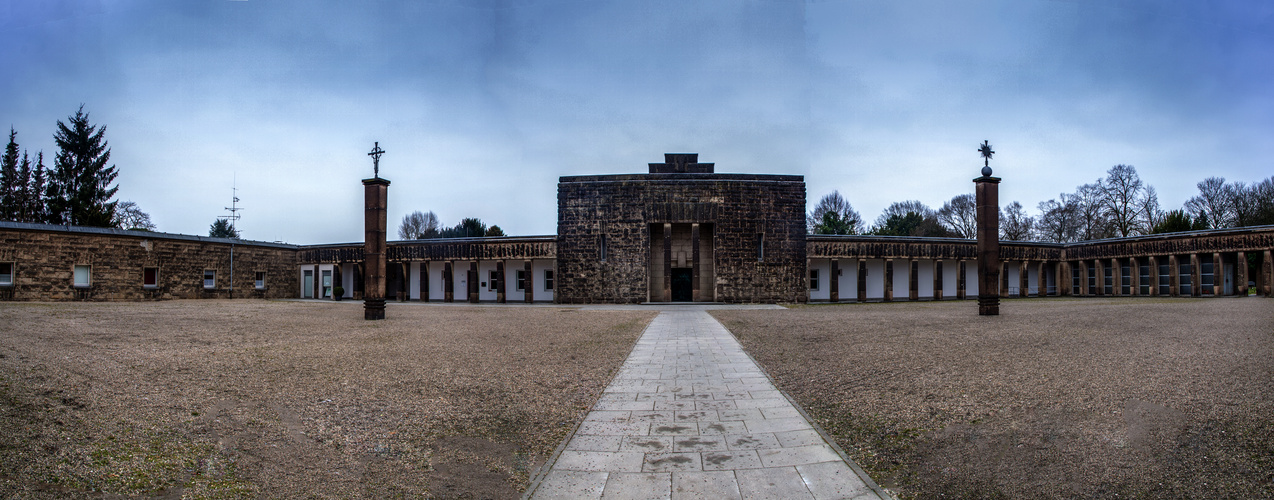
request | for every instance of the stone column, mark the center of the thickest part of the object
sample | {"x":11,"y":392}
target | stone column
{"x":474,"y":291}
{"x":1174,"y":277}
{"x":987,"y":196}
{"x":449,"y":281}
{"x":1134,"y":278}
{"x":1268,"y":274}
{"x":1042,"y":280}
{"x":376,"y":202}
{"x":913,"y":281}
{"x":961,"y":280}
{"x":1084,"y":289}
{"x":835,"y":281}
{"x":1062,"y":276}
{"x":694,"y":256}
{"x":336,"y":281}
{"x":499,"y":282}
{"x":1116,"y":278}
{"x":528,"y":292}
{"x":937,"y":279}
{"x":1004,"y":280}
{"x":424,"y":281}
{"x":862,"y":280}
{"x":1154,"y":276}
{"x":1196,"y":288}
{"x":889,"y":280}
{"x":667,"y":262}
{"x":1240,"y":274}
{"x":1218,"y":275}
{"x":1024,"y":280}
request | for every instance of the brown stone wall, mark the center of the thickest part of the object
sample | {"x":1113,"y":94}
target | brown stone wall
{"x":746,"y":211}
{"x":44,"y":258}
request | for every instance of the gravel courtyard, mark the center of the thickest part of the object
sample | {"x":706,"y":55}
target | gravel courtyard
{"x":1054,"y":398}
{"x":255,"y":399}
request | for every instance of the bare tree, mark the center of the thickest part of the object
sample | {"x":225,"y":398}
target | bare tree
{"x":1122,"y":197}
{"x":1059,"y":220}
{"x":1151,"y":214}
{"x":1093,"y":222}
{"x":129,"y":216}
{"x":418,"y":225}
{"x":1216,"y":199}
{"x":960,"y":216}
{"x":1015,"y":225}
{"x":846,"y":217}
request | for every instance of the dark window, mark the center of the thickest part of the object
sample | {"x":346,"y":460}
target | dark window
{"x":6,"y":274}
{"x":760,"y":247}
{"x":813,"y":279}
{"x":260,"y":280}
{"x":493,"y":283}
{"x":209,"y":278}
{"x":150,"y":277}
{"x":548,"y":279}
{"x":602,"y":247}
{"x":521,"y":280}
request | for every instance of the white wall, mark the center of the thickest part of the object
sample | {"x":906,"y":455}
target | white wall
{"x":824,"y":290}
{"x":875,"y":279}
{"x":537,"y":269}
{"x":902,"y":279}
{"x":950,"y":278}
{"x":924,"y":275}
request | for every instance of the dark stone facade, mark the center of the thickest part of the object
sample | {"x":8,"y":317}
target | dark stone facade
{"x":608,"y":226}
{"x":44,"y":257}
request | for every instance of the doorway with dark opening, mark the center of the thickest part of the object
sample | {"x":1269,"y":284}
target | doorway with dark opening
{"x":682,"y":284}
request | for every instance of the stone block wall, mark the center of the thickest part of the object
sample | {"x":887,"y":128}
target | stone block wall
{"x":44,"y":258}
{"x":748,"y":213}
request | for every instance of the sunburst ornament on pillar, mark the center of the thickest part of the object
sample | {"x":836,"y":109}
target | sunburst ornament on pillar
{"x":985,"y":150}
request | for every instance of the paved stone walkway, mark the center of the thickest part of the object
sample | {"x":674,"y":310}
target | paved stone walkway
{"x":690,"y":415}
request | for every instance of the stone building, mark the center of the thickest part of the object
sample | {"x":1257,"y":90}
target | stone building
{"x":679,"y":233}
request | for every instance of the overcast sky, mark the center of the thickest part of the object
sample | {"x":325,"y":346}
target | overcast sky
{"x":482,"y":105}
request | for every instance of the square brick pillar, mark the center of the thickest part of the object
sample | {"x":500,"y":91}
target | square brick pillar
{"x":961,"y":281}
{"x":1083,"y":278}
{"x":987,"y":199}
{"x":424,"y":281}
{"x":835,"y":281}
{"x":376,"y":202}
{"x":694,"y":265}
{"x":913,"y":281}
{"x":1004,"y":280}
{"x":1116,"y":278}
{"x":1154,"y":276}
{"x":1174,"y":277}
{"x":1062,"y":276}
{"x":473,"y":282}
{"x":862,"y":280}
{"x":528,"y":290}
{"x":449,"y":281}
{"x":499,"y":282}
{"x":667,"y":262}
{"x":1042,"y":280}
{"x":1196,"y":288}
{"x":889,"y":280}
{"x":1240,"y":274}
{"x":1218,"y":275}
{"x":1268,"y":274}
{"x":1024,"y":280}
{"x":937,"y":279}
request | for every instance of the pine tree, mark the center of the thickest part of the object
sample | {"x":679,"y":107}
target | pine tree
{"x":79,"y":187}
{"x":22,"y":190}
{"x":36,"y":211}
{"x":9,"y":178}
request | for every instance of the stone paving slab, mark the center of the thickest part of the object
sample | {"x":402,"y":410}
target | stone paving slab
{"x":690,"y":415}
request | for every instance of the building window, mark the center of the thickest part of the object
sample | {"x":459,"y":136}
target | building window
{"x":548,"y":279}
{"x":493,"y":282}
{"x":813,"y":279}
{"x":260,"y":280}
{"x":760,"y":247}
{"x":82,"y":276}
{"x":6,"y":274}
{"x":602,"y":247}
{"x":150,"y":277}
{"x":521,"y":280}
{"x":209,"y":279}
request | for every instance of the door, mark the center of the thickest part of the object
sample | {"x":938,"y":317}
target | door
{"x":682,"y":289}
{"x":327,"y":284}
{"x":307,"y":284}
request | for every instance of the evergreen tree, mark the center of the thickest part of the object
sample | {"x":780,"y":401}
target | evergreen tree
{"x":22,"y":190}
{"x":1174,"y":221}
{"x":35,"y":210}
{"x":222,"y":229}
{"x":9,"y":179}
{"x":79,"y":187}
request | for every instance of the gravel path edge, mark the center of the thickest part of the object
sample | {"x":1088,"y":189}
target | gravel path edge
{"x":871,"y":483}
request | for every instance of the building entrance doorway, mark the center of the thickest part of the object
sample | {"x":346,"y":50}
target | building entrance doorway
{"x":682,"y":284}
